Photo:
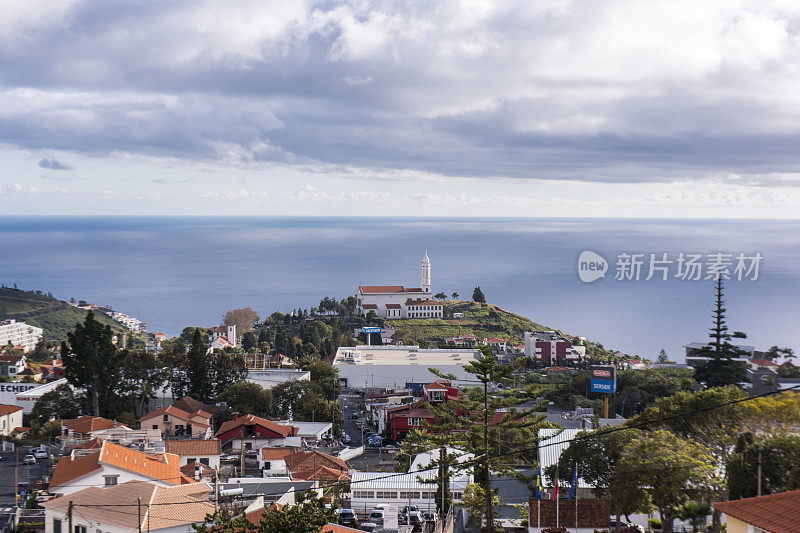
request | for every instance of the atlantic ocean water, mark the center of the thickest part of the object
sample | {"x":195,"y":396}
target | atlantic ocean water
{"x":174,"y":272}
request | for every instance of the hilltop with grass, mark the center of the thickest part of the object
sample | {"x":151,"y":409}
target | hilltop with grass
{"x":38,"y":309}
{"x":479,"y":319}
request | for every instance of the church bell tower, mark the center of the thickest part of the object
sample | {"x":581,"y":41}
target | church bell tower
{"x":425,"y":284}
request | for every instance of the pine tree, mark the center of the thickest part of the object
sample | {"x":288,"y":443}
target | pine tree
{"x":198,"y":368}
{"x":720,"y":369}
{"x":477,"y":296}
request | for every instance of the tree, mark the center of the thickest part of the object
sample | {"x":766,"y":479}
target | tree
{"x":662,"y":356}
{"x":485,"y":430}
{"x":720,"y":369}
{"x":440,"y":296}
{"x":141,"y":377}
{"x":91,"y":361}
{"x":224,"y":370}
{"x":249,"y":341}
{"x":775,"y":352}
{"x":197,"y":369}
{"x":248,"y":397}
{"x":695,"y":513}
{"x":667,"y":468}
{"x":326,"y":377}
{"x":173,"y":356}
{"x":61,"y":403}
{"x":303,"y":401}
{"x":244,"y":319}
{"x":455,"y":296}
{"x":779,"y":456}
{"x":477,"y":296}
{"x":474,"y":499}
{"x":308,"y":515}
{"x":597,"y":454}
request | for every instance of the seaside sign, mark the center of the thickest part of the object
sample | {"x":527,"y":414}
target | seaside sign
{"x":604,"y":379}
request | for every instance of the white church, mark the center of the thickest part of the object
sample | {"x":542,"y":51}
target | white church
{"x":396,"y":301}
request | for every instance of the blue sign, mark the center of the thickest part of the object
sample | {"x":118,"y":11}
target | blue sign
{"x":372,"y":330}
{"x":601,"y":385}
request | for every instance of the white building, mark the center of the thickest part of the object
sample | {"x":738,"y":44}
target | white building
{"x":19,"y":334}
{"x":394,"y":366}
{"x":130,"y":507}
{"x":10,"y":419}
{"x":222,"y":336}
{"x":397,"y":301}
{"x":272,"y":377}
{"x":200,"y":451}
{"x":28,"y":397}
{"x":367,"y":489}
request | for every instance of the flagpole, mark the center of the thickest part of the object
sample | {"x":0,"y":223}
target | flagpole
{"x":556,"y":507}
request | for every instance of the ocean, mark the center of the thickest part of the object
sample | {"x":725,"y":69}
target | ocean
{"x":174,"y":272}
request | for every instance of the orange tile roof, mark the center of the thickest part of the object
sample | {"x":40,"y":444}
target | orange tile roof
{"x":776,"y":513}
{"x":165,"y":468}
{"x":180,"y":414}
{"x":8,"y":409}
{"x":190,"y":405}
{"x":162,"y":507}
{"x":319,"y":473}
{"x":248,"y":420}
{"x":316,"y":465}
{"x":87,"y":424}
{"x":276,"y":454}
{"x":381,"y":289}
{"x":194,"y":447}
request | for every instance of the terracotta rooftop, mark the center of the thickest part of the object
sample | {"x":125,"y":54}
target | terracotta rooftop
{"x":165,"y":468}
{"x":381,"y":289}
{"x":162,"y":507}
{"x":393,"y":306}
{"x":190,"y":405}
{"x":181,"y":414}
{"x":87,"y":424}
{"x":249,"y":420}
{"x":276,"y":454}
{"x":8,"y":409}
{"x":776,"y":513}
{"x":197,"y":447}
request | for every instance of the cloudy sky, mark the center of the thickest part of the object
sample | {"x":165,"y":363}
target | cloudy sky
{"x":564,"y":108}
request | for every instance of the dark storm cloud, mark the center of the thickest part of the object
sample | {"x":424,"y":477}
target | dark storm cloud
{"x":52,"y":163}
{"x":580,"y":91}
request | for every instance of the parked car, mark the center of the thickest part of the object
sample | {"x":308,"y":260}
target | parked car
{"x":408,"y":509}
{"x":41,"y":454}
{"x":377,"y":515}
{"x":346,"y":438}
{"x":29,"y":459}
{"x":347,"y":517}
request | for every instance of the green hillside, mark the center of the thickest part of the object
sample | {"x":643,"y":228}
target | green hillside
{"x":55,"y":317}
{"x":481,"y":320}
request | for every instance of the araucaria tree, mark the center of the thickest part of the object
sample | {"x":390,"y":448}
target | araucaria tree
{"x":477,"y":296}
{"x":91,"y":361}
{"x":720,"y":369}
{"x":197,"y":369}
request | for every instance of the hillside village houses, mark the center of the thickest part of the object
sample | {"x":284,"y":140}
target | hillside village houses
{"x":222,"y":337}
{"x":20,"y":335}
{"x":397,"y":301}
{"x":10,"y":419}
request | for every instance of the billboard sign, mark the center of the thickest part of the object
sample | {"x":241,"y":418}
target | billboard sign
{"x":604,"y":379}
{"x":372,"y":329}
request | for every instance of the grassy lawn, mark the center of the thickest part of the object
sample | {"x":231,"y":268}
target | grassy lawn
{"x":481,"y":320}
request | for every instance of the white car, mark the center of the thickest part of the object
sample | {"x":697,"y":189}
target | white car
{"x":29,"y":459}
{"x":41,"y":454}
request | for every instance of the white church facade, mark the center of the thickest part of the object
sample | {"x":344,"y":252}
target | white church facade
{"x":397,"y":301}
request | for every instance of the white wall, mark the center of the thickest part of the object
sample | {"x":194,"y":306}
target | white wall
{"x":213,"y":460}
{"x":93,"y":525}
{"x":9,"y":422}
{"x":96,"y":479}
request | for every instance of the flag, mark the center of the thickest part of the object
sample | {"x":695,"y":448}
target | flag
{"x":555,"y":487}
{"x":574,"y":488}
{"x":538,"y":494}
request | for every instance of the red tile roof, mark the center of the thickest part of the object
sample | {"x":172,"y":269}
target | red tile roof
{"x":8,"y":409}
{"x":381,"y":289}
{"x":194,"y":447}
{"x":87,"y":424}
{"x":249,"y":420}
{"x":393,"y":306}
{"x":181,"y":414}
{"x":776,"y":513}
{"x":762,"y":362}
{"x":369,"y":306}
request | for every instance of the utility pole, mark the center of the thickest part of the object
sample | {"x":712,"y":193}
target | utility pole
{"x":759,"y":473}
{"x":139,"y":514}
{"x":69,"y":517}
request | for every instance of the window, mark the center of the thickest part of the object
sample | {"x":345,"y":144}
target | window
{"x":155,"y":426}
{"x":386,"y":495}
{"x":363,"y":494}
{"x":267,"y":465}
{"x":56,"y":525}
{"x":166,"y":418}
{"x":204,"y":461}
{"x":80,"y":529}
{"x":111,"y":480}
{"x":457,"y":496}
{"x":409,"y":495}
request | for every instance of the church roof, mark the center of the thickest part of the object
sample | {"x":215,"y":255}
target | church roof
{"x":381,"y":289}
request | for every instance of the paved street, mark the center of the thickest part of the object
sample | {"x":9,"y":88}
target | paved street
{"x":29,"y":473}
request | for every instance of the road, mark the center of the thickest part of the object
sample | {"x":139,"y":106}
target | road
{"x":30,"y":473}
